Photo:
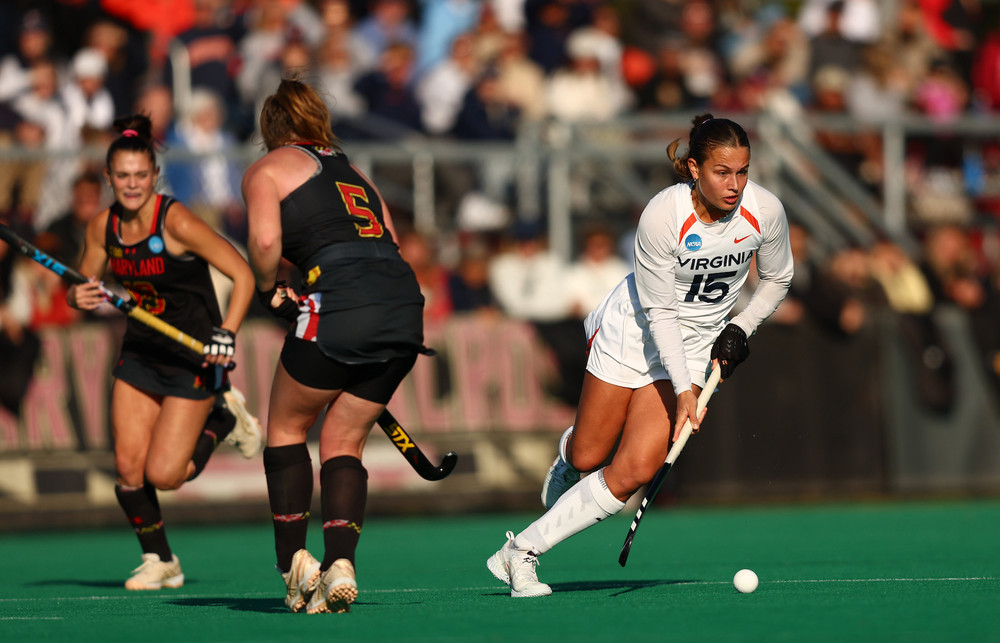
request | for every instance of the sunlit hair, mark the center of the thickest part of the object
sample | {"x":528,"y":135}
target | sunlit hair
{"x":135,"y":134}
{"x":707,"y":134}
{"x":295,"y":113}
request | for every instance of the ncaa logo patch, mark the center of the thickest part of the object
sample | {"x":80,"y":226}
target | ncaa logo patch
{"x":156,"y":244}
{"x":693,"y":242}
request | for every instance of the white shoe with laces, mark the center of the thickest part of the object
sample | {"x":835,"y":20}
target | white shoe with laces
{"x":558,"y":480}
{"x":301,"y":580}
{"x":516,"y":567}
{"x":247,"y":435}
{"x":336,"y":591}
{"x":154,"y":573}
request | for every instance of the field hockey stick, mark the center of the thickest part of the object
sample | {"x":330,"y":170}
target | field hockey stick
{"x":675,"y":450}
{"x":128,"y":307}
{"x":402,"y":441}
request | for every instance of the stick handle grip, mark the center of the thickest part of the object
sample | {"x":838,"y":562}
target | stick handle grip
{"x":703,"y":398}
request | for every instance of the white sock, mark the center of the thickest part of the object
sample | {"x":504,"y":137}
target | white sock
{"x":587,"y":503}
{"x":564,"y":445}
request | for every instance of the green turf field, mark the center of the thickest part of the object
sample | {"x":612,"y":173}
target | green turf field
{"x":846,"y":572}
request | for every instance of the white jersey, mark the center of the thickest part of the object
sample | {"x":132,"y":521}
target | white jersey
{"x":689,"y":273}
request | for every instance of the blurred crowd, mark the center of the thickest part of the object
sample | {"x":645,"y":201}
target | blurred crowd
{"x":482,"y":70}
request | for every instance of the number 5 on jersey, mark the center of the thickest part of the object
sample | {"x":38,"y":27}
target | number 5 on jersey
{"x":354,"y":196}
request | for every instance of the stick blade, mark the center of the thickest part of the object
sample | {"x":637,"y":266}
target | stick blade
{"x":441,"y":472}
{"x":626,"y":548}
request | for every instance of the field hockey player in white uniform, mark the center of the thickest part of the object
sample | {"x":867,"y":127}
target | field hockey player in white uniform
{"x":655,"y":337}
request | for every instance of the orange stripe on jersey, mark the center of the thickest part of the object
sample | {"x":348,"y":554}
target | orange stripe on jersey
{"x":590,"y":341}
{"x":156,"y":213}
{"x":749,"y":217}
{"x":687,"y":226}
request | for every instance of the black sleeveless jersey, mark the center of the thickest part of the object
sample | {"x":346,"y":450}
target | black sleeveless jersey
{"x":364,"y":302}
{"x":335,"y":205}
{"x":177,"y":289}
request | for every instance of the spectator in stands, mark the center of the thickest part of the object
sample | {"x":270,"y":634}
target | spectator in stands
{"x":127,"y":60}
{"x":260,"y":48}
{"x":389,"y":96}
{"x":529,"y":282}
{"x":389,"y":22}
{"x":337,"y":70}
{"x":42,"y":106}
{"x":68,"y":230}
{"x":157,"y":101}
{"x":596,"y":271}
{"x":208,"y":183}
{"x":829,"y":46}
{"x":20,"y":179}
{"x":34,"y":45}
{"x":581,"y":91}
{"x":858,"y":21}
{"x":19,"y":346}
{"x":338,"y":23}
{"x":442,"y":88}
{"x":468,"y":283}
{"x":521,"y":79}
{"x":486,"y":111}
{"x":418,"y":251}
{"x":441,"y":22}
{"x":549,"y":24}
{"x":209,"y":52}
{"x":913,"y":48}
{"x":89,"y":105}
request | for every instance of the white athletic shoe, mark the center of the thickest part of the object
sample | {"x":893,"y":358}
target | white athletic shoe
{"x":558,"y":480}
{"x":246,"y":435}
{"x":516,"y":567}
{"x":336,"y":591}
{"x":153,"y":573}
{"x":301,"y":580}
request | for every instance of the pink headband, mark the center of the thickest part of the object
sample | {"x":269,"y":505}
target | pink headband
{"x":130,"y":132}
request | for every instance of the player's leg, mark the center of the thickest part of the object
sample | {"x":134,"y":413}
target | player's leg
{"x":229,"y":422}
{"x":592,"y":439}
{"x":344,"y":479}
{"x":293,"y":408}
{"x":602,"y":412}
{"x":133,"y":415}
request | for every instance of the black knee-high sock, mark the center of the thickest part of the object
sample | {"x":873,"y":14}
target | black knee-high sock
{"x":218,"y":425}
{"x":289,"y":489}
{"x":143,"y":512}
{"x":344,"y":483}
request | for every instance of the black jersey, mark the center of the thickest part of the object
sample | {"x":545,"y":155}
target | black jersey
{"x":363,"y":301}
{"x":177,"y":289}
{"x":335,"y":205}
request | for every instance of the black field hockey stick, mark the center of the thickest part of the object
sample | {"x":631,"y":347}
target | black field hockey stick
{"x":402,"y":441}
{"x":675,"y":450}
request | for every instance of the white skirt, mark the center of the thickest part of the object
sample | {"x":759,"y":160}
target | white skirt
{"x":622,"y":351}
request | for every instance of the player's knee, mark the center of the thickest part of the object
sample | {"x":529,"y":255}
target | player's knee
{"x":165,"y":479}
{"x":584,"y":459}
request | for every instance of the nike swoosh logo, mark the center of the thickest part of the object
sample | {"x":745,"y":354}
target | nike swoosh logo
{"x":741,"y":239}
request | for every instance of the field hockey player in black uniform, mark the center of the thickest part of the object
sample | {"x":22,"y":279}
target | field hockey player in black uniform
{"x":357,"y":327}
{"x":169,"y":408}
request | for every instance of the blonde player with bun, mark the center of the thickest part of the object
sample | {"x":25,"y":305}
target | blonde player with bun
{"x":655,"y":337}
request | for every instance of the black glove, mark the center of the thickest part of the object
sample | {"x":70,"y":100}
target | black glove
{"x":731,"y":348}
{"x":223,"y":343}
{"x":288,"y":310}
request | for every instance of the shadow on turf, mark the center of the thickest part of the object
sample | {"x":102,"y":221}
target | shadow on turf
{"x":260,"y":605}
{"x":624,"y":586}
{"x":58,"y":582}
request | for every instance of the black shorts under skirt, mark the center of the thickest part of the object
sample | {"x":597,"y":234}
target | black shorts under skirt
{"x":373,"y":381}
